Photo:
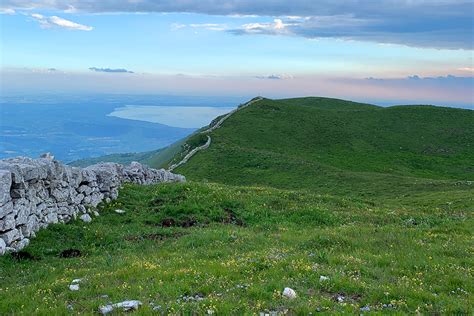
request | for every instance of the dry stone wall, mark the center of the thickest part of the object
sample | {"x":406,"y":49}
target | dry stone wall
{"x":37,"y":192}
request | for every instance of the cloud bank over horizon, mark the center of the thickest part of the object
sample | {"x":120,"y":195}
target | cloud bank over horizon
{"x":443,"y":90}
{"x":111,"y":70}
{"x":444,"y":24}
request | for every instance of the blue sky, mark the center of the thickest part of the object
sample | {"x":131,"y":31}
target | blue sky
{"x":275,"y":48}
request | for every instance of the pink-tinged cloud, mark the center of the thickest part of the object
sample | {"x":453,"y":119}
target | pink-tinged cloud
{"x":448,"y":90}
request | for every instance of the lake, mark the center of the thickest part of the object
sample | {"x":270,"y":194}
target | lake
{"x":74,"y":127}
{"x":175,"y":116}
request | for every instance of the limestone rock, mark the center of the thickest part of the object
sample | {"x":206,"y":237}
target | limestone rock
{"x":106,"y":309}
{"x":10,"y":236}
{"x":8,"y":222}
{"x":74,"y":287}
{"x":365,"y":308}
{"x":6,"y":209}
{"x":125,"y":306}
{"x":21,"y":244}
{"x":3,"y":247}
{"x":86,"y":218}
{"x":37,"y":192}
{"x":128,"y":305}
{"x":5,"y":185}
{"x":289,"y":293}
{"x":47,"y":156}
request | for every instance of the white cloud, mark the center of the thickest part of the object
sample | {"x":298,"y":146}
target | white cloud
{"x":468,"y":69}
{"x":444,"y":24}
{"x":56,"y":21}
{"x":178,"y":26}
{"x":209,"y":26}
{"x":7,"y":11}
{"x":205,"y":26}
{"x":277,"y":27}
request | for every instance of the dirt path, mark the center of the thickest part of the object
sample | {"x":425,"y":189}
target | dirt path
{"x":190,"y":154}
{"x":210,"y":129}
{"x":219,"y":123}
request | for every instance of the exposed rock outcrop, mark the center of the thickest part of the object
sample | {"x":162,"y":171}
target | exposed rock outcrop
{"x":37,"y":192}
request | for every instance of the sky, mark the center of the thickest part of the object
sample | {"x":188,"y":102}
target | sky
{"x":386,"y":51}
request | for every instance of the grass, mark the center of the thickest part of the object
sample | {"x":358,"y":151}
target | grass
{"x":379,"y":200}
{"x":243,"y":246}
{"x":341,"y":148}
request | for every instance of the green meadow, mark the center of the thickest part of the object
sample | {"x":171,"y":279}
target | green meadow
{"x":357,"y":208}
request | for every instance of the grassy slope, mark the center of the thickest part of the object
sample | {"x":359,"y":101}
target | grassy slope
{"x":416,"y":261}
{"x":387,"y":225}
{"x":342,"y":148}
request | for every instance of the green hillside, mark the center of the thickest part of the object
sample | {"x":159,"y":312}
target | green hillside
{"x":340,"y":147}
{"x":359,"y":209}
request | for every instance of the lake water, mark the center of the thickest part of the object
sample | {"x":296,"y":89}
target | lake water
{"x":73,"y":127}
{"x":175,"y":116}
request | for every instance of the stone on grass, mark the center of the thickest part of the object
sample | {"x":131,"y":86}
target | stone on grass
{"x":339,"y":298}
{"x":86,"y":218}
{"x":289,"y":293}
{"x":96,"y":214}
{"x":119,"y":211}
{"x":125,"y":306}
{"x":271,"y":313}
{"x":106,"y":309}
{"x":365,"y":308}
{"x":128,"y":305}
{"x":323,"y":278}
{"x":74,"y":287}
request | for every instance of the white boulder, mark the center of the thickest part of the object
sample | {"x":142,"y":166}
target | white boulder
{"x":125,"y":306}
{"x":289,"y":293}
